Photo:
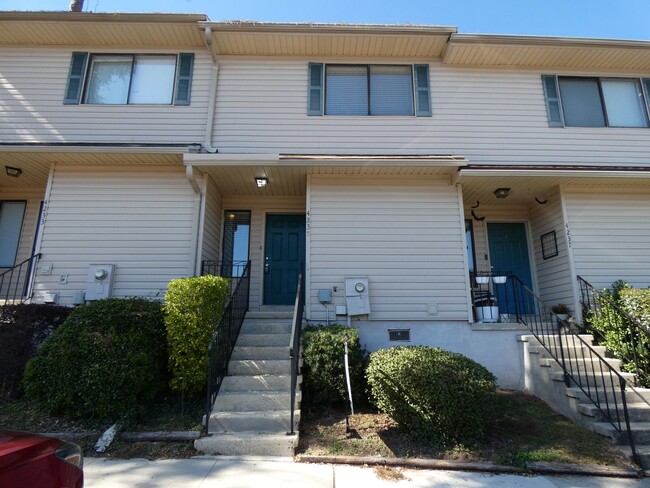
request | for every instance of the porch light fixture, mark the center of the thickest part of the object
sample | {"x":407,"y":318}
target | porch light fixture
{"x":502,"y":192}
{"x":261,"y":181}
{"x":13,"y":172}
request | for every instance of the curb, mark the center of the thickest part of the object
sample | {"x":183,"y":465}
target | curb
{"x":533,"y":468}
{"x":172,"y":436}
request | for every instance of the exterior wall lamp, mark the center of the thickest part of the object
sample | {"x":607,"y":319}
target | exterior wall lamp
{"x":13,"y":172}
{"x":502,"y":192}
{"x":261,"y":181}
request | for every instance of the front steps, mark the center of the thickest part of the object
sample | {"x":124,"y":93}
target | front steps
{"x":251,"y":415}
{"x":544,"y":378}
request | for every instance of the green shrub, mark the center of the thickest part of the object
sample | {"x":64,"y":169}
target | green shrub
{"x":192,"y":308}
{"x":23,"y":328}
{"x":437,"y":395}
{"x":108,"y":359}
{"x":614,"y":328}
{"x":323,"y":371}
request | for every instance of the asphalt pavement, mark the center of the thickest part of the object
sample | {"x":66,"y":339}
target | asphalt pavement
{"x":255,"y":472}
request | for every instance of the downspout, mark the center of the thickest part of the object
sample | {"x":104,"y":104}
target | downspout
{"x":196,"y":217}
{"x":209,"y":125}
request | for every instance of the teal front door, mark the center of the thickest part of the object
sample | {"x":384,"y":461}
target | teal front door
{"x":284,"y":255}
{"x":508,"y":246}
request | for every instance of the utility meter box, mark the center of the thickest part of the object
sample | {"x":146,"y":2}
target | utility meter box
{"x":357,"y":296}
{"x":99,"y":284}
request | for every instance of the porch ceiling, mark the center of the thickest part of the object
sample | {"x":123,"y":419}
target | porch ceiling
{"x":35,"y":165}
{"x":525,"y":188}
{"x":291,"y":180}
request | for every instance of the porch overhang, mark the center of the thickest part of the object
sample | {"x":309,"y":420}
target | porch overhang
{"x":234,"y":174}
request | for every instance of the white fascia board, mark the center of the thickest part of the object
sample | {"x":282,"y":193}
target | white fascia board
{"x":555,"y":173}
{"x":95,"y":149}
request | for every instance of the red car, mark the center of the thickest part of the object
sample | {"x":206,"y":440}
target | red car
{"x":38,"y":461}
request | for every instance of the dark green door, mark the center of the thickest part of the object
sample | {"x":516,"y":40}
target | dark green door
{"x":283,"y":258}
{"x":509,"y":252}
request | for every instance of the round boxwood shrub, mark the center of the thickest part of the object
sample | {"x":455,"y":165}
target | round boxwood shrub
{"x":438,"y":395}
{"x":108,"y":359}
{"x":323,"y":371}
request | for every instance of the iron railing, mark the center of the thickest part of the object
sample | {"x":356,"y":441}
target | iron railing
{"x":632,"y":335}
{"x":15,"y":282}
{"x":227,"y":269}
{"x":294,"y":345}
{"x":224,"y":338}
{"x":581,"y":364}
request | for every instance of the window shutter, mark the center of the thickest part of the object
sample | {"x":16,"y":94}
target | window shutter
{"x":184,"y":78}
{"x":646,"y":92}
{"x":422,"y":91}
{"x":315,"y":87}
{"x":553,"y":106}
{"x":75,"y":78}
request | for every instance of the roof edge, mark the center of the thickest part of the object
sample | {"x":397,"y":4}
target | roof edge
{"x":303,"y":27}
{"x":500,"y":39}
{"x":64,"y":16}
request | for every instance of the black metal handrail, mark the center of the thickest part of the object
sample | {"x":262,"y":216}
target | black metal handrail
{"x":599,"y":307}
{"x":227,"y":269}
{"x":15,"y":281}
{"x":294,"y":345}
{"x":581,"y":364}
{"x":224,"y":338}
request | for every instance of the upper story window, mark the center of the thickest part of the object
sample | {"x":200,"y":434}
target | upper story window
{"x":596,"y":102}
{"x":123,"y":79}
{"x":344,"y":89}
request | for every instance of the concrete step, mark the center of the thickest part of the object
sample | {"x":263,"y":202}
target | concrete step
{"x":286,"y":314}
{"x":252,"y":401}
{"x":260,"y":352}
{"x":582,"y":364}
{"x":246,"y":340}
{"x":277,"y":421}
{"x":259,"y":366}
{"x":270,"y":382}
{"x":265,"y":327}
{"x":638,"y":412}
{"x":642,"y":451}
{"x":248,"y":444}
{"x":640,"y":432}
{"x":632,"y":395}
{"x":554,"y":339}
{"x":590,"y":380}
{"x":573,"y":351}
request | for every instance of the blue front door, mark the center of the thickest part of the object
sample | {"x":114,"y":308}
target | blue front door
{"x":283,"y":258}
{"x":509,"y":253}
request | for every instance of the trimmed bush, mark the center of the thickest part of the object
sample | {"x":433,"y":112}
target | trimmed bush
{"x":323,"y":371}
{"x":192,"y":308}
{"x":23,"y":328}
{"x":108,"y":359}
{"x":440,"y":396}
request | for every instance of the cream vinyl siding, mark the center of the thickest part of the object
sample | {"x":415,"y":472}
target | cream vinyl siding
{"x":610,"y":237}
{"x":212,"y":222}
{"x":259,"y":208}
{"x":403,"y":234}
{"x":554,"y":281}
{"x":137,"y":218}
{"x":487,"y":116}
{"x":32,"y":86}
{"x":33,"y":197}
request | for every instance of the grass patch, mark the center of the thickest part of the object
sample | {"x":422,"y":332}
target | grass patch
{"x":523,"y":429}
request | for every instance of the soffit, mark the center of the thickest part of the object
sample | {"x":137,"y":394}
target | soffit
{"x":358,"y":40}
{"x":522,"y":52}
{"x":84,"y":30}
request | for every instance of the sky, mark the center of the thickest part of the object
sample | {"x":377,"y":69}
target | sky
{"x":613,"y":19}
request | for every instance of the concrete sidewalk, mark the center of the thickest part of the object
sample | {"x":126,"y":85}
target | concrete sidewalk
{"x":247,"y":472}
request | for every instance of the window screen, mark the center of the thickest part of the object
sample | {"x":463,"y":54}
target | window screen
{"x":391,"y":90}
{"x":624,"y":103}
{"x":346,"y":90}
{"x":581,"y":102}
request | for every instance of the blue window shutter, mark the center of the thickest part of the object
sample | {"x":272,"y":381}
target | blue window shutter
{"x":422,"y":91}
{"x":184,"y":79}
{"x":553,"y":105}
{"x":315,"y":89}
{"x":75,"y":78}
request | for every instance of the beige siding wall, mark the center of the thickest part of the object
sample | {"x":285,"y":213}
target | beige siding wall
{"x":136,"y":217}
{"x":33,"y":197}
{"x":554,"y":282}
{"x":404,"y":234}
{"x":212,"y":222}
{"x":487,"y":116}
{"x":259,"y":208}
{"x":32,"y":86}
{"x":609,"y":234}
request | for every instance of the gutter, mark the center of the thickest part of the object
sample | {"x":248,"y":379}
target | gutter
{"x":209,"y":123}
